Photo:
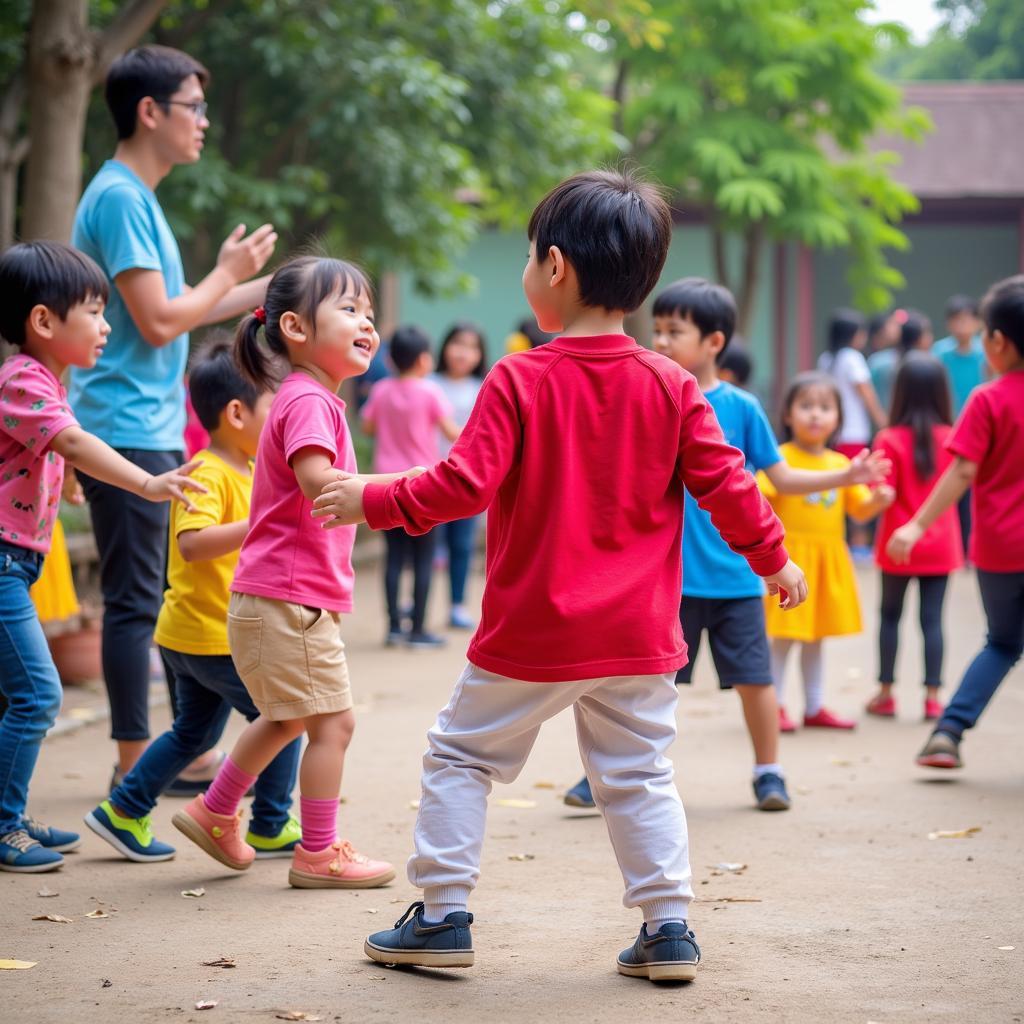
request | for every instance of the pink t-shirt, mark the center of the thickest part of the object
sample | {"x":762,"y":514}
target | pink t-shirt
{"x":33,"y":411}
{"x":287,"y":555}
{"x":405,"y":412}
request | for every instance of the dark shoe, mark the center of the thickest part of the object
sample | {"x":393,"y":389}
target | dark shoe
{"x":190,"y":784}
{"x":57,"y":839}
{"x":425,"y":639}
{"x":670,"y":954}
{"x":131,"y":837}
{"x":941,"y":751}
{"x":413,"y":941}
{"x":580,"y":795}
{"x":20,"y":852}
{"x":770,"y":792}
{"x":395,"y":638}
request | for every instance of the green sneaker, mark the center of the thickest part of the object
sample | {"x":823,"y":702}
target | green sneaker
{"x":131,"y":837}
{"x":280,"y":845}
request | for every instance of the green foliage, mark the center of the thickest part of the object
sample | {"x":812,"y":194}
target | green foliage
{"x":761,"y":110}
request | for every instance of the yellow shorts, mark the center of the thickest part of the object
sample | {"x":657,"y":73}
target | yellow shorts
{"x":290,"y":657}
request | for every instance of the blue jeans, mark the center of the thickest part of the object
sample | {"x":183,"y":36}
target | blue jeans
{"x":207,"y":687}
{"x":458,"y":536}
{"x":28,"y":680}
{"x":1002,"y":594}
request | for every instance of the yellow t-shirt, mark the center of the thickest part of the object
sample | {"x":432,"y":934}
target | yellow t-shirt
{"x":193,"y":619}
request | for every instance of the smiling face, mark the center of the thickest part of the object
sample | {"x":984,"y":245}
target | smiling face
{"x":345,"y":340}
{"x":78,"y":339}
{"x":813,"y":416}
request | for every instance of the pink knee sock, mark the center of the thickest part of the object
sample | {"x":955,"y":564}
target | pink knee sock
{"x":319,"y":823}
{"x":228,"y":788}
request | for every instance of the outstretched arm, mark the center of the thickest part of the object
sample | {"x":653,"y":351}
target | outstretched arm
{"x":865,"y":468}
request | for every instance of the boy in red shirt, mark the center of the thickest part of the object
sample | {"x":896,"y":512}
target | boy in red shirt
{"x":580,"y":450}
{"x":988,"y":448}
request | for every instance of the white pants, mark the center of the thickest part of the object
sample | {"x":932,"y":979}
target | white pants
{"x":624,"y":725}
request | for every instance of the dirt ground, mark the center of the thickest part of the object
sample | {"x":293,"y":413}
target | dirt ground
{"x":846,"y":911}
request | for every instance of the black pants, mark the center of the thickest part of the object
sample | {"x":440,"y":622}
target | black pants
{"x":894,"y":591}
{"x":964,"y":511}
{"x":131,"y":536}
{"x":403,"y":549}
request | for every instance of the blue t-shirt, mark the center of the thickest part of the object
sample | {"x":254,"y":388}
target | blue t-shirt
{"x":710,"y":567}
{"x":135,"y":395}
{"x":966,"y":370}
{"x":883,"y":366}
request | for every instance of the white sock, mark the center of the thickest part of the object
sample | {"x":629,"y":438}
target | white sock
{"x":435,"y":913}
{"x":812,"y":666}
{"x":780,"y":649}
{"x":441,"y":900}
{"x":765,"y":769}
{"x":664,"y":911}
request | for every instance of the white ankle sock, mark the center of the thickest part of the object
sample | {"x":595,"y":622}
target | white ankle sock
{"x":765,"y":769}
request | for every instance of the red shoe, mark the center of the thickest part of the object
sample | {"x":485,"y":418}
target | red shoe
{"x":933,"y":710}
{"x":786,"y":724}
{"x":882,"y":707}
{"x":824,"y":719}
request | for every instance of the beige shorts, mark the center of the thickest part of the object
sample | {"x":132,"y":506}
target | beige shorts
{"x":290,"y":657}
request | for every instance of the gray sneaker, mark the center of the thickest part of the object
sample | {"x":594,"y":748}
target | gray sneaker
{"x":670,"y":954}
{"x":941,"y":751}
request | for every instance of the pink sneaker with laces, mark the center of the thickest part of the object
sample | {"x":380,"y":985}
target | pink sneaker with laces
{"x":339,"y":866}
{"x":825,"y":719}
{"x":220,"y":835}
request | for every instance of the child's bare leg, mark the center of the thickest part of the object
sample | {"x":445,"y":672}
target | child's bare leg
{"x":262,"y":740}
{"x":761,"y":712}
{"x":324,"y":757}
{"x":128,"y":753}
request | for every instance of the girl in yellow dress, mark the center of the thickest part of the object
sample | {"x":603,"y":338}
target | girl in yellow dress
{"x":816,"y":541}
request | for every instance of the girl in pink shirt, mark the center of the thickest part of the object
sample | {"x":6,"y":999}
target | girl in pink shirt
{"x":294,"y":580}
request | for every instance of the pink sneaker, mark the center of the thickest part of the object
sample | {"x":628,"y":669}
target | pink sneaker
{"x":824,"y":719}
{"x":337,"y":867}
{"x":882,"y":707}
{"x":220,"y":835}
{"x":933,"y":710}
{"x":786,"y":724}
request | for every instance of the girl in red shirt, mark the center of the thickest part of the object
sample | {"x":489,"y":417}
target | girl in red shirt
{"x":915,"y":444}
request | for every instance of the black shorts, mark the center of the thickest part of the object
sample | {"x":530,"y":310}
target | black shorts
{"x":736,"y":632}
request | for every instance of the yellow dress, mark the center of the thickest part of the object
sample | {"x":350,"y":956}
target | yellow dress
{"x":53,"y":593}
{"x":816,"y":540}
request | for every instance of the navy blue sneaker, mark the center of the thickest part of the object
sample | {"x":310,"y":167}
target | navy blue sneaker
{"x":770,"y":792}
{"x":57,"y":839}
{"x":20,"y":852}
{"x":580,"y":795}
{"x":131,"y":837}
{"x":424,"y":639}
{"x":413,"y":941}
{"x":670,"y":954}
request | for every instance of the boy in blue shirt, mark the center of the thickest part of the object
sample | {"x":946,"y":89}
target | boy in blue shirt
{"x":134,"y":399}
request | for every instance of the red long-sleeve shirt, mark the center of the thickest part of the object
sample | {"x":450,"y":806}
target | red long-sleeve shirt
{"x":581,"y":449}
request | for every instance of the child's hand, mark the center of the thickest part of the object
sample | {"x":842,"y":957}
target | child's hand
{"x":790,"y":581}
{"x":72,"y":492}
{"x":902,"y":542}
{"x":884,"y":496}
{"x":340,"y":503}
{"x":174,"y":484}
{"x":869,"y":468}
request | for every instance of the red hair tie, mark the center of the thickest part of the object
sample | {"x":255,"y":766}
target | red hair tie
{"x":261,"y":314}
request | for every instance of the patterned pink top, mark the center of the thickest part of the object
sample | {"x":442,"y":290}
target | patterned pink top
{"x":33,"y":410}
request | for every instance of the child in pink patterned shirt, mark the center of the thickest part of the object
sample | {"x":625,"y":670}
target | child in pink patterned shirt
{"x":53,"y":312}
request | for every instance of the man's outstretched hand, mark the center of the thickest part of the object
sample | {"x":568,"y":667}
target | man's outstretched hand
{"x":790,"y":581}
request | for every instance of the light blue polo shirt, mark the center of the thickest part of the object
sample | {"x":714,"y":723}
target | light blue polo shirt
{"x":966,"y":370}
{"x":710,"y":567}
{"x":135,"y":395}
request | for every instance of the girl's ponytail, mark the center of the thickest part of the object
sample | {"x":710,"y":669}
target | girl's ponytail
{"x":253,"y":361}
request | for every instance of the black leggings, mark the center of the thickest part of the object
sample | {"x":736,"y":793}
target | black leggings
{"x":933,"y":593}
{"x":420,"y":551}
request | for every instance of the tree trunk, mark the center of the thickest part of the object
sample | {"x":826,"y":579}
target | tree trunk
{"x":753,"y":241}
{"x":13,"y":150}
{"x":718,"y":254}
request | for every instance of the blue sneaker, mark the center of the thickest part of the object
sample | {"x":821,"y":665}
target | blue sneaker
{"x":413,"y":941}
{"x":770,"y":792}
{"x":131,"y":837}
{"x":670,"y":954}
{"x":57,"y":839}
{"x":580,"y":795}
{"x":20,"y":852}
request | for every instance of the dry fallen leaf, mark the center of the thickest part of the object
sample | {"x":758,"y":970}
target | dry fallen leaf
{"x":193,"y":894}
{"x":730,"y":899}
{"x":513,"y":802}
{"x":206,"y":1004}
{"x":1007,"y":949}
{"x":841,"y":762}
{"x":414,"y":805}
{"x":543,"y":785}
{"x":297,"y":1015}
{"x":97,"y":914}
{"x":56,"y":918}
{"x":371,"y":910}
{"x":521,"y":856}
{"x":731,"y":866}
{"x":959,"y":833}
{"x":221,"y":961}
{"x":47,"y":893}
{"x":16,"y":965}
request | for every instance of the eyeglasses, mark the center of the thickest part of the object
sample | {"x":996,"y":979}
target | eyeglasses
{"x":198,"y":107}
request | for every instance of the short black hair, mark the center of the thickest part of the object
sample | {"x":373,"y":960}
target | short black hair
{"x":709,"y":306}
{"x":957,"y":304}
{"x":1002,"y":309}
{"x":46,"y":274}
{"x":614,"y":228}
{"x":736,"y":358}
{"x":215,"y":379}
{"x":406,"y":346}
{"x":843,"y":326}
{"x":463,"y":327}
{"x":155,"y":71}
{"x":913,"y":329}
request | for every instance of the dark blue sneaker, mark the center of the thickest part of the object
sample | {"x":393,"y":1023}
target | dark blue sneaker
{"x":57,"y":839}
{"x":770,"y":792}
{"x":131,"y":837}
{"x":20,"y":852}
{"x":580,"y":795}
{"x":670,"y":954}
{"x":413,"y":941}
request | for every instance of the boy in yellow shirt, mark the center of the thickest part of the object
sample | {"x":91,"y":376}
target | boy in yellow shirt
{"x":192,"y":628}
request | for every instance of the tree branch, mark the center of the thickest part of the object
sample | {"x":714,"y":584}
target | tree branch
{"x":193,"y":24}
{"x":753,"y":238}
{"x":619,"y":95}
{"x":718,"y":254}
{"x":131,"y":23}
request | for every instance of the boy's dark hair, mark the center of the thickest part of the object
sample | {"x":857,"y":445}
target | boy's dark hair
{"x":215,"y":379}
{"x":463,"y":327}
{"x":613,"y":227}
{"x":46,"y":274}
{"x":912,"y":330}
{"x":920,"y":400}
{"x":299,"y":286}
{"x":958,"y":304}
{"x":1002,"y":309}
{"x":406,"y":346}
{"x":155,"y":71}
{"x":736,"y":358}
{"x":843,"y":327}
{"x":804,"y":382}
{"x":709,"y":306}
{"x":877,"y":324}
